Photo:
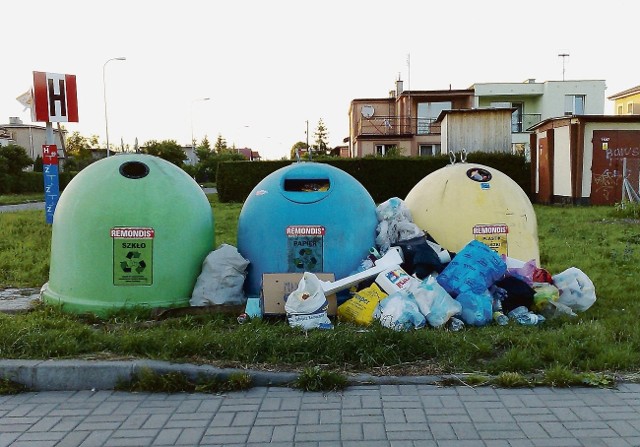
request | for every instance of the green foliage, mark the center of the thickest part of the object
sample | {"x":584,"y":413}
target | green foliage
{"x":78,"y":149}
{"x":13,"y":159}
{"x":8,"y":386}
{"x":383,"y":177}
{"x":220,"y":146}
{"x":561,"y":352}
{"x":627,"y":209}
{"x":169,"y":150}
{"x":37,"y":165}
{"x":512,"y":380}
{"x":147,"y":380}
{"x":299,"y":147}
{"x":321,"y":136}
{"x":314,"y":378}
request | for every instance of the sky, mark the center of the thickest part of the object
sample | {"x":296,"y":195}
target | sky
{"x":272,"y":69}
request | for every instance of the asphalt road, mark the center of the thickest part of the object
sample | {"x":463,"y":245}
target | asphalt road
{"x":40,"y":205}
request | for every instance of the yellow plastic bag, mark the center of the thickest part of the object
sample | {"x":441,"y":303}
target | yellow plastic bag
{"x":359,"y":308}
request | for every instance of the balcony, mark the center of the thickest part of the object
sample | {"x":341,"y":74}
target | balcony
{"x":397,"y":126}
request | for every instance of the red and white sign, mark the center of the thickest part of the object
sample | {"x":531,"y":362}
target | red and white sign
{"x":132,"y":233}
{"x":305,"y":230}
{"x":49,"y":154}
{"x":55,"y":97}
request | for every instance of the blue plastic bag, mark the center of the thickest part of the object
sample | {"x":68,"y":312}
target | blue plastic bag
{"x":474,"y":269}
{"x":477,"y":309}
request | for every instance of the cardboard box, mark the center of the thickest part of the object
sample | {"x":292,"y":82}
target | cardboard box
{"x":276,"y":287}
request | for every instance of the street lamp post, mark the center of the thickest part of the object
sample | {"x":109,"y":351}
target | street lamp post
{"x":104,"y":91}
{"x":193,"y":140}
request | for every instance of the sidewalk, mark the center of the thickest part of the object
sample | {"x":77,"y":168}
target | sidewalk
{"x":371,"y":416}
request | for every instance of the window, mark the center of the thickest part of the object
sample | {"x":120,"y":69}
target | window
{"x":428,"y":150}
{"x":630,"y":108}
{"x":384,"y":149}
{"x":427,"y":114}
{"x":574,"y":104}
{"x":620,"y":109}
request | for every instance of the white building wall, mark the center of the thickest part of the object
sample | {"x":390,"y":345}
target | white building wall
{"x":553,"y":100}
{"x":561,"y":162}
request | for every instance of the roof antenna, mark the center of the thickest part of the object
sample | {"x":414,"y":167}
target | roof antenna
{"x":563,"y":55}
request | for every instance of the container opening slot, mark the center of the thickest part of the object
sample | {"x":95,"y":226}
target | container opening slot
{"x":134,"y":169}
{"x":307,"y":185}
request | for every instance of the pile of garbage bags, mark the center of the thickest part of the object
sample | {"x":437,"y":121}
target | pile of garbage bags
{"x":431,"y":287}
{"x":474,"y":287}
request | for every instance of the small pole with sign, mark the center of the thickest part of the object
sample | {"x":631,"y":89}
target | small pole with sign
{"x":55,"y":99}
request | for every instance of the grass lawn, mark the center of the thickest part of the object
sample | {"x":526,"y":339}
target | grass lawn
{"x":14,"y":199}
{"x":605,"y":339}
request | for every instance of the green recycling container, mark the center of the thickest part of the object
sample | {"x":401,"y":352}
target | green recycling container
{"x":128,"y":231}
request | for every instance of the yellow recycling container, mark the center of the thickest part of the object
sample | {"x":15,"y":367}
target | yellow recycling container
{"x":466,"y":201}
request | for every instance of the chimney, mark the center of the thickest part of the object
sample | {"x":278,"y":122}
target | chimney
{"x":15,"y":120}
{"x":399,"y":87}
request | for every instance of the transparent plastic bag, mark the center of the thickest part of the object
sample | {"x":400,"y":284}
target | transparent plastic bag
{"x":399,"y":311}
{"x":576,"y":289}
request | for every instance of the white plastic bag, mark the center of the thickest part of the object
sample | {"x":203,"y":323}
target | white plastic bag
{"x":576,"y":289}
{"x":222,"y":278}
{"x":306,"y":307}
{"x":395,"y":224}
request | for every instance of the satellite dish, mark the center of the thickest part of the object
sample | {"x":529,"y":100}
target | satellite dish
{"x":367,"y":111}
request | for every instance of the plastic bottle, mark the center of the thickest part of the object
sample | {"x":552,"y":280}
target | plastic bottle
{"x":522,"y":315}
{"x":500,"y":318}
{"x":455,"y":324}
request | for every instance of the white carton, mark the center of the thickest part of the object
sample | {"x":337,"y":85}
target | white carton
{"x":395,"y":278}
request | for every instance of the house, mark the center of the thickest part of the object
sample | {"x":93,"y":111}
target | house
{"x":537,"y":101}
{"x":249,"y":154}
{"x":29,"y":136}
{"x":583,"y":159}
{"x":627,"y":102}
{"x":403,"y":122}
{"x":407,"y":119}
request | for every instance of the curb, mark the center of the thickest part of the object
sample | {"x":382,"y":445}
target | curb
{"x":77,"y":375}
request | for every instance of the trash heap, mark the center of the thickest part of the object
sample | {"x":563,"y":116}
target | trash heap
{"x":408,"y":281}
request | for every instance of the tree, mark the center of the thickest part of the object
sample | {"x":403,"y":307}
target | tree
{"x":298,"y":148}
{"x":13,"y":159}
{"x":203,"y":151}
{"x":79,"y":146}
{"x":220,"y":146}
{"x":321,"y":134}
{"x":169,"y":150}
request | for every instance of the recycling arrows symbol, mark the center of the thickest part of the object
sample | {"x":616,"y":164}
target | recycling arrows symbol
{"x":133,"y":262}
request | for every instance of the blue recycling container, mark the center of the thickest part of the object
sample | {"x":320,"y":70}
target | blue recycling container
{"x":306,"y":217}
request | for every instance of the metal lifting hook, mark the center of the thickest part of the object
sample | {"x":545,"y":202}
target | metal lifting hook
{"x":463,"y":156}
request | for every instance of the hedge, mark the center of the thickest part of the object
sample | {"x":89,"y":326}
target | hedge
{"x":382,"y":177}
{"x":30,"y":182}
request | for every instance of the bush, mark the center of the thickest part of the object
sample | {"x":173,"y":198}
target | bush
{"x":13,"y":160}
{"x":383,"y":178}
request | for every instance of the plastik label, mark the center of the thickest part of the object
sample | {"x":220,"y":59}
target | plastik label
{"x":494,"y":236}
{"x":132,"y":233}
